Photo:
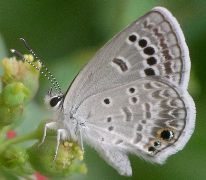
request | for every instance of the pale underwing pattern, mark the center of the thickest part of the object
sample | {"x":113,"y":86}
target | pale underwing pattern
{"x":132,"y":97}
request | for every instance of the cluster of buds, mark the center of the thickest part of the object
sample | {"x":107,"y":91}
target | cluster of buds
{"x":67,"y":161}
{"x":19,"y":84}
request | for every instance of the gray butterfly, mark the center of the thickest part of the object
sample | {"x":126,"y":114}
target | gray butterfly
{"x":132,"y":96}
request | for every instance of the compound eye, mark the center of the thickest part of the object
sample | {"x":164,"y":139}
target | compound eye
{"x":54,"y":101}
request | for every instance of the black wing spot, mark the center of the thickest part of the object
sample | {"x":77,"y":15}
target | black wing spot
{"x":109,"y":119}
{"x":151,"y":61}
{"x":110,"y":128}
{"x":149,"y":72}
{"x":131,"y":90}
{"x":134,"y":100}
{"x":157,"y":143}
{"x":132,"y":38}
{"x":106,"y":101}
{"x":151,"y":149}
{"x":149,"y":50}
{"x":142,"y":43}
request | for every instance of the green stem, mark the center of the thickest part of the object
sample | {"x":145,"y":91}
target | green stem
{"x":18,"y":139}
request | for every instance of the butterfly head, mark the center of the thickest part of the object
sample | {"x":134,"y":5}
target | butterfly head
{"x":53,"y":100}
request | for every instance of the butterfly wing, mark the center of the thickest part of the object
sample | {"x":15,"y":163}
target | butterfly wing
{"x":150,"y":59}
{"x":116,"y":158}
{"x":153,"y":45}
{"x":148,"y":117}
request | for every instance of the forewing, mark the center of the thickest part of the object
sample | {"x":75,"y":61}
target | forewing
{"x":153,"y":45}
{"x":147,"y":117}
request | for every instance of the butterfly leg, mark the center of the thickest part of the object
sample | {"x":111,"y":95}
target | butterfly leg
{"x":78,"y":130}
{"x":51,"y":125}
{"x":61,"y":135}
{"x":81,"y":140}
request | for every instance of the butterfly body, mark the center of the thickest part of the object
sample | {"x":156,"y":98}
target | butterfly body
{"x":132,"y":96}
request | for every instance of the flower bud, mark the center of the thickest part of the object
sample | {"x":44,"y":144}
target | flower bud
{"x":19,"y":83}
{"x":13,"y":156}
{"x":15,"y":94}
{"x":16,"y":159}
{"x":20,"y":71}
{"x":9,"y":115}
{"x":68,"y":158}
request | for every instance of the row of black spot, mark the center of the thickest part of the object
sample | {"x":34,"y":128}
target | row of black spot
{"x":148,"y":51}
{"x":143,"y":44}
{"x":107,"y":102}
{"x":131,"y":90}
{"x":166,"y":135}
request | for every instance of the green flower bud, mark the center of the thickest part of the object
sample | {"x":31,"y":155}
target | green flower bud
{"x":19,"y":71}
{"x":16,"y":159}
{"x":19,"y":83}
{"x":9,"y":115}
{"x":13,"y":156}
{"x":15,"y":94}
{"x":68,"y":159}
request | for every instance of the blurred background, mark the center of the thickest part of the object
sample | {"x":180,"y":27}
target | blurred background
{"x":66,"y":34}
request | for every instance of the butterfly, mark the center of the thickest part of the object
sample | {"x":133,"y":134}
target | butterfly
{"x":132,"y":97}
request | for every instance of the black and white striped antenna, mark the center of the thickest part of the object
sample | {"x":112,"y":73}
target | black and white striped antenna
{"x":44,"y":70}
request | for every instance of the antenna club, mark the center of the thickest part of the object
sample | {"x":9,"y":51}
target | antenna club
{"x":22,"y":39}
{"x":13,"y":50}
